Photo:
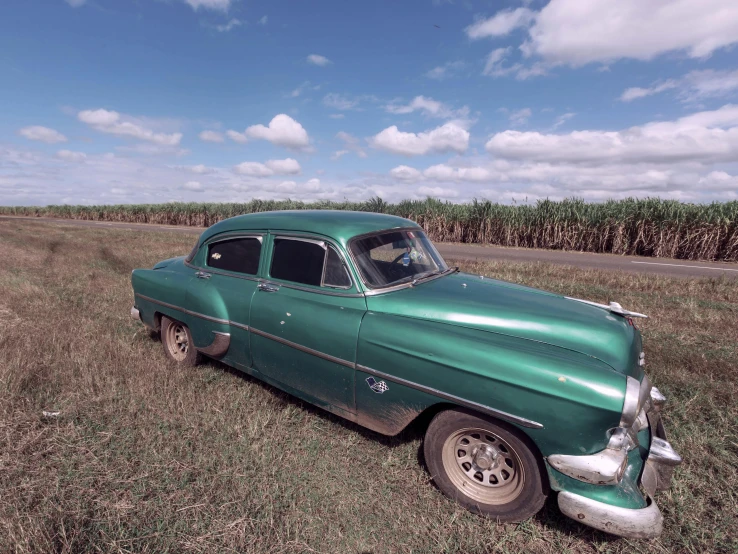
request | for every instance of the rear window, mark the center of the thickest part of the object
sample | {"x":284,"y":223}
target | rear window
{"x":240,"y":255}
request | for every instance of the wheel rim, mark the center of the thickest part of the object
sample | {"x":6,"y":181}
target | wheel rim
{"x":177,"y":341}
{"x":483,"y":466}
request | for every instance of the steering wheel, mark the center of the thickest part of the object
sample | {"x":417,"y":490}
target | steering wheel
{"x":394,"y":269}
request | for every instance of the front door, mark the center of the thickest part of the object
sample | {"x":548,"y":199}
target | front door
{"x":219,"y":298}
{"x":305,"y":321}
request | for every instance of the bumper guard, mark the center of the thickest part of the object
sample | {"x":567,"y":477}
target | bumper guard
{"x":640,"y":523}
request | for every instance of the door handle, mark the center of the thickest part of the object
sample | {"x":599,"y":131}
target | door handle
{"x":203,"y":275}
{"x":266,"y":287}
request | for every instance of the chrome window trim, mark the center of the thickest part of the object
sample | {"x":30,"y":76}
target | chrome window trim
{"x":224,"y":238}
{"x":372,"y":291}
{"x":440,"y":394}
{"x":325,"y":244}
{"x":319,"y":242}
{"x":289,"y":285}
{"x":343,"y":265}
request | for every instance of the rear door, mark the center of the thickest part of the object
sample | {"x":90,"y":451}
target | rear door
{"x":219,"y":297}
{"x":305,"y":320}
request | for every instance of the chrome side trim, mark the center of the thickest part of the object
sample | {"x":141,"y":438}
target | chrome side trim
{"x":239,"y":325}
{"x":219,"y":346}
{"x":189,"y":312}
{"x":440,"y":394}
{"x":302,"y":348}
{"x":643,"y":523}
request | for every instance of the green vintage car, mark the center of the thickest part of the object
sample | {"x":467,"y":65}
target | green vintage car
{"x":526,"y":391}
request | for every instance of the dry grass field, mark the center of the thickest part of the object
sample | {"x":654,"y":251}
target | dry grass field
{"x":146,"y":457}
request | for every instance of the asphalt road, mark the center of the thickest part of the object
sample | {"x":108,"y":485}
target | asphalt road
{"x":634,"y":264}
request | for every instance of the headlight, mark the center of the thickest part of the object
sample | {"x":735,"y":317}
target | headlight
{"x":637,"y":395}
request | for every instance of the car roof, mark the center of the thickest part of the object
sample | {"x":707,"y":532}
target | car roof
{"x":339,"y":225}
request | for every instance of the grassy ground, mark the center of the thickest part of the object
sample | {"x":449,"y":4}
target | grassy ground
{"x":145,"y":457}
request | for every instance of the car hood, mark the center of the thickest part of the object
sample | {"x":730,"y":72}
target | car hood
{"x":497,"y":306}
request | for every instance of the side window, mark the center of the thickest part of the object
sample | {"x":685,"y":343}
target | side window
{"x":298,"y":261}
{"x":336,"y":274}
{"x":240,"y":255}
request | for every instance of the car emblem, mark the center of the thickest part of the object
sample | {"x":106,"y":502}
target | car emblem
{"x":216,"y":256}
{"x":377,"y":386}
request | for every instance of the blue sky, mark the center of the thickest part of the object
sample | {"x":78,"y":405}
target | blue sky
{"x":128,"y":101}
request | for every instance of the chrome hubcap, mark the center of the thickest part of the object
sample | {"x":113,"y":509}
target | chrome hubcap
{"x":177,"y":341}
{"x":483,"y":466}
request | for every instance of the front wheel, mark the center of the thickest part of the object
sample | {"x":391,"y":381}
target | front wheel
{"x":485,"y":465}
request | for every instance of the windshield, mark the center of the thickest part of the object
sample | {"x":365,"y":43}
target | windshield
{"x":393,"y":257}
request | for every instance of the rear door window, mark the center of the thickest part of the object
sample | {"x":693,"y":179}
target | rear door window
{"x":240,"y":255}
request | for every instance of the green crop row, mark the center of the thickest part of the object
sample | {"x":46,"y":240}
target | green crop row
{"x":647,"y":227}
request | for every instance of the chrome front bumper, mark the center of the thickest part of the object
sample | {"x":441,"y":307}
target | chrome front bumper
{"x":639,"y":523}
{"x":644,"y":523}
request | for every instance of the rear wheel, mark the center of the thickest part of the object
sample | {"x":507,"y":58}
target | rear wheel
{"x":487,"y":466}
{"x":177,"y":341}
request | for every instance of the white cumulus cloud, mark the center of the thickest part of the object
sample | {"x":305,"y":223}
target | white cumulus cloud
{"x":577,"y":33}
{"x":42,"y":134}
{"x":502,"y":23}
{"x":447,"y":138}
{"x":211,"y":136}
{"x":224,"y":28}
{"x":194,"y":186}
{"x":316,"y":59}
{"x":445,"y":71}
{"x":405,"y":173}
{"x":235,"y":136}
{"x":694,"y":86}
{"x":287,"y":166}
{"x":708,"y":136}
{"x":218,"y":5}
{"x":114,"y":123}
{"x":71,"y":156}
{"x":282,"y":130}
{"x":428,"y":106}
